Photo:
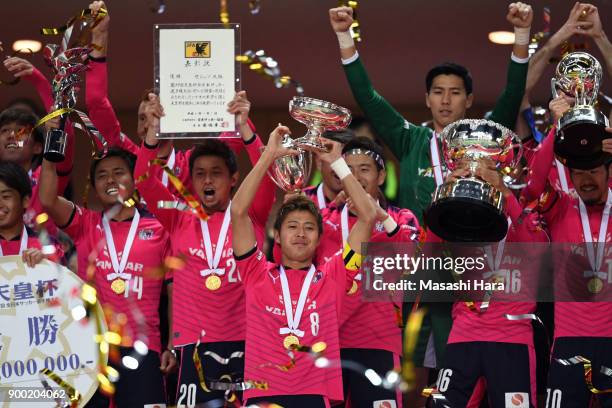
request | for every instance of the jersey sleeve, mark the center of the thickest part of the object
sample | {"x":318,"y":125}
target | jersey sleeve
{"x":252,"y":266}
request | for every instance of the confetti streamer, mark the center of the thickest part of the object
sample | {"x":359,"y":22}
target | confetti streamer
{"x":180,"y":188}
{"x":238,"y":386}
{"x":588,"y":372}
{"x":73,"y":395}
{"x":355,"y":28}
{"x":82,"y":19}
{"x":223,"y":13}
{"x":254,"y":6}
{"x":157,"y":6}
{"x":411,"y":335}
{"x":198,"y":364}
{"x":259,"y":62}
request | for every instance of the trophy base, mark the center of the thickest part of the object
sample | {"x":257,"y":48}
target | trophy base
{"x":311,"y":145}
{"x":467,"y":210}
{"x":578,"y":143}
{"x":55,"y":146}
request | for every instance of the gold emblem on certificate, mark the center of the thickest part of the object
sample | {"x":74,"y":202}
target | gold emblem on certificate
{"x":213,"y":282}
{"x":595,"y":285}
{"x":118,"y":286}
{"x":197,"y":49}
{"x":291,"y":341}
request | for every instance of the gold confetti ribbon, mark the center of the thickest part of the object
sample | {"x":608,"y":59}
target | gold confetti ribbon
{"x":52,"y":115}
{"x":180,"y":188}
{"x":355,"y":28}
{"x":73,"y":395}
{"x":67,"y":28}
{"x":588,"y":372}
{"x":238,"y":386}
{"x":411,"y":335}
{"x":223,"y":13}
{"x":260,"y":63}
{"x":198,"y":366}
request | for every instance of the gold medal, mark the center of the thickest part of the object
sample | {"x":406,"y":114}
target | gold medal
{"x":353,"y":288}
{"x":118,"y":286}
{"x":291,"y":340}
{"x":213,"y":282}
{"x":595,"y":285}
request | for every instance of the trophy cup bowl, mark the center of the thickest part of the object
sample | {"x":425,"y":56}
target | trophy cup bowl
{"x":470,"y":209}
{"x":291,"y":172}
{"x":581,"y":130}
{"x":318,"y":116}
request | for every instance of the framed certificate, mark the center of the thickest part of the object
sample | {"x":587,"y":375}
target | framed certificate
{"x":197,"y":75}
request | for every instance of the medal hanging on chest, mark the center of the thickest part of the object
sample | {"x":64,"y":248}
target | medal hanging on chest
{"x":293,"y":321}
{"x":213,"y":274}
{"x":595,"y":253}
{"x":118,"y":278}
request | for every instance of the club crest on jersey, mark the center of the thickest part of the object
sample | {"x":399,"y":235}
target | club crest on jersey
{"x":384,"y":404}
{"x":517,"y":400}
{"x":379,"y":227}
{"x":317,"y":276}
{"x":177,"y":171}
{"x":145,"y":234}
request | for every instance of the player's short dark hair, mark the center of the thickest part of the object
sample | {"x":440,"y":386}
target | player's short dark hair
{"x":449,"y":68}
{"x":127,"y":157}
{"x":30,"y":103}
{"x":299,"y":203}
{"x":365,"y":143}
{"x":15,"y":177}
{"x":214,"y":147}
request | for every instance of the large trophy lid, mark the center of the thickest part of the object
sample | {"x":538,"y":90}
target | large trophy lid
{"x":322,"y":113}
{"x":474,"y":139}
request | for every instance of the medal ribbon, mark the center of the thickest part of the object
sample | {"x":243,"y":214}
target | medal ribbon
{"x":119,"y":266}
{"x":293,"y":322}
{"x":321,"y":197}
{"x":213,"y":261}
{"x":562,"y":176}
{"x":24,"y":242}
{"x":495,"y":262}
{"x":435,"y":159}
{"x":170,"y":164}
{"x":595,"y":260}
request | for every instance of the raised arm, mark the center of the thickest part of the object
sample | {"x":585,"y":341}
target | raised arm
{"x":595,"y":30}
{"x":506,"y":110}
{"x":394,"y":130}
{"x":150,"y":187}
{"x":99,"y":107}
{"x":540,"y":60}
{"x":243,"y":232}
{"x":542,"y":159}
{"x":266,"y":194}
{"x":58,"y":208}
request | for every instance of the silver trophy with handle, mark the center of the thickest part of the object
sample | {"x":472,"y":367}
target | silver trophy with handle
{"x":581,"y":130}
{"x":470,"y":209}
